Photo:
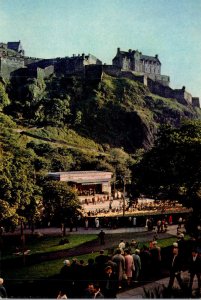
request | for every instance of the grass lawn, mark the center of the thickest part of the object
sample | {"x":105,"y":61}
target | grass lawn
{"x":42,"y":270}
{"x":167,"y":242}
{"x":44,"y":244}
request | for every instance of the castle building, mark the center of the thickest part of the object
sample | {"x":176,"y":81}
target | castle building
{"x":16,"y":46}
{"x":11,"y":58}
{"x":77,"y":63}
{"x":133,"y":60}
{"x":130,"y":64}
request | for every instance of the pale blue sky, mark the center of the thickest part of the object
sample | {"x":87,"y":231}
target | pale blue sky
{"x":53,"y":28}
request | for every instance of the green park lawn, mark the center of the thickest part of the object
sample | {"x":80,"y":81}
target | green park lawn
{"x":43,"y":244}
{"x":42,"y":270}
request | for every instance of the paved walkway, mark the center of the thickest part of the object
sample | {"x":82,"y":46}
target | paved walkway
{"x":155,"y":288}
{"x":172,"y":230}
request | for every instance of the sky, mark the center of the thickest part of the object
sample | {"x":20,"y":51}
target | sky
{"x":58,"y":28}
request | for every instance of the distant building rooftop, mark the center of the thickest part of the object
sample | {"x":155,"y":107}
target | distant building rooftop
{"x":16,"y":46}
{"x":83,"y":177}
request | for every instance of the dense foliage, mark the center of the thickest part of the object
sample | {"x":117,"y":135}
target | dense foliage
{"x":115,"y":111}
{"x":172,"y":168}
{"x":68,"y":123}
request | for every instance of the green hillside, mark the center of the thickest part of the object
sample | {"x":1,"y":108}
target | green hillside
{"x":63,"y":124}
{"x":116,"y":112}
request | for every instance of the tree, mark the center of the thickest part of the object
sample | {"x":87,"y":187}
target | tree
{"x":57,"y":111}
{"x":8,"y":216}
{"x":4,"y":100}
{"x":18,"y":188}
{"x":172,"y":168}
{"x":60,"y":202}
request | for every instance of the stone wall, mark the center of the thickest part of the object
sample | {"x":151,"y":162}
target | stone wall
{"x":9,"y":65}
{"x":96,"y":72}
{"x":93,"y":72}
{"x":183,"y":96}
{"x":162,"y":79}
{"x":131,"y":75}
{"x":45,"y":73}
{"x":111,"y":70}
{"x":160,"y":89}
{"x":31,"y":60}
{"x":196,"y":102}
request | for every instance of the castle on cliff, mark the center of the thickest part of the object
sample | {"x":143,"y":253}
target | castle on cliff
{"x":129,"y":64}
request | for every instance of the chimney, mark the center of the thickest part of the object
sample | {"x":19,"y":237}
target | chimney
{"x":156,"y":56}
{"x":118,"y":50}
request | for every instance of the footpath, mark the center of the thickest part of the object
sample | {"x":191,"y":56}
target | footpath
{"x":172,"y":230}
{"x":154,"y":288}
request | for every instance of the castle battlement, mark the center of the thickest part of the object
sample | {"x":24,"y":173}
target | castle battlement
{"x":131,"y":64}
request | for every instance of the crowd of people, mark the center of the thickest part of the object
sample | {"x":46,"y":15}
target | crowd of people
{"x":131,"y":263}
{"x":112,"y":208}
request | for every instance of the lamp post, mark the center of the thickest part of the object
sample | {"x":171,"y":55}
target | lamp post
{"x":124,"y":194}
{"x":125,"y":178}
{"x":115,"y":163}
{"x":22,"y":240}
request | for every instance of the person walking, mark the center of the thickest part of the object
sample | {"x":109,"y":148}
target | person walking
{"x":155,"y":252}
{"x":159,"y":223}
{"x":97,"y":223}
{"x":86,"y":224}
{"x":101,"y":236}
{"x":134,"y":221}
{"x":129,"y":266}
{"x":122,"y":246}
{"x":137,"y":264}
{"x":194,"y":269}
{"x":180,"y":221}
{"x":145,"y":257}
{"x":109,"y":283}
{"x":176,"y":267}
{"x":170,"y":220}
{"x":65,"y":278}
{"x":100,"y":261}
{"x":119,"y":259}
